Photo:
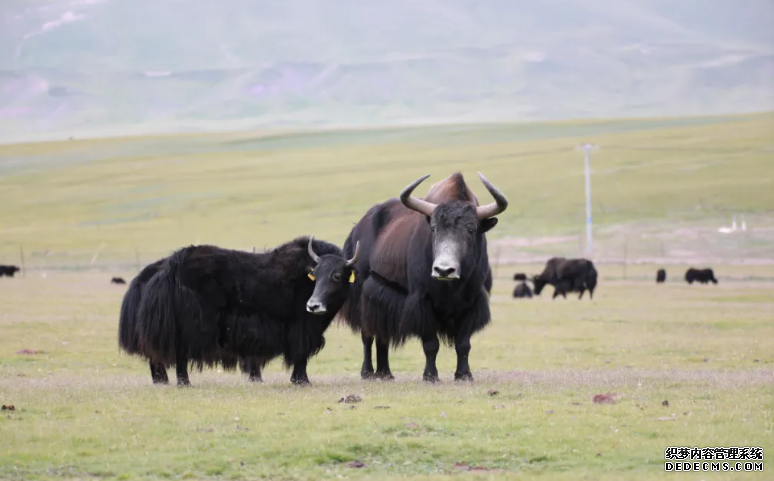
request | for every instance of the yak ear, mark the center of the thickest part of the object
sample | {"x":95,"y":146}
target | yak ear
{"x":488,"y":224}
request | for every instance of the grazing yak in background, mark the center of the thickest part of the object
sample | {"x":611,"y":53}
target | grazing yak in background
{"x":520,"y":276}
{"x":567,"y":275}
{"x":8,"y":271}
{"x":660,"y":276}
{"x":423,"y":272}
{"x":701,"y":276}
{"x":207,"y":305}
{"x":117,"y":280}
{"x":522,"y":290}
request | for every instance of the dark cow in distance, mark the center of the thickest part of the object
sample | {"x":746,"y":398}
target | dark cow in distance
{"x":522,"y":291}
{"x":567,"y":275}
{"x":424,"y":272}
{"x":520,"y":276}
{"x":117,"y":280}
{"x":660,"y":276}
{"x":207,"y":305}
{"x":701,"y":276}
{"x":8,"y":271}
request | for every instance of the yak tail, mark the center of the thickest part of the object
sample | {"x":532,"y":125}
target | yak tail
{"x":127,"y":322}
{"x":165,"y":308}
{"x":591,"y":280}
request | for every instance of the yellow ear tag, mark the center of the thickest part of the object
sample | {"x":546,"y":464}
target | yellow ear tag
{"x":352,"y":277}
{"x":311,"y":276}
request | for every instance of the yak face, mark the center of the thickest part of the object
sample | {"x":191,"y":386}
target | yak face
{"x":332,"y":276}
{"x":539,"y":284}
{"x":457,"y":227}
{"x":456,"y":232}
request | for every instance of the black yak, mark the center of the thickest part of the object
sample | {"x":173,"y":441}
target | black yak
{"x":8,"y":271}
{"x":520,"y":276}
{"x":117,"y":280}
{"x":522,"y":290}
{"x":424,"y":272}
{"x":567,"y":275}
{"x":660,"y":276}
{"x":129,"y":341}
{"x":701,"y":276}
{"x":206,"y":305}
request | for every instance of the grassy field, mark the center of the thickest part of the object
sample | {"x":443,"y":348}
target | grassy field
{"x":651,"y":177}
{"x":84,"y":410}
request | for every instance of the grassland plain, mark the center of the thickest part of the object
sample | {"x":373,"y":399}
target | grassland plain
{"x":152,"y":194}
{"x":83,"y":410}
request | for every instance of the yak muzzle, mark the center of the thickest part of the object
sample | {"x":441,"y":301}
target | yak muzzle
{"x":315,"y":307}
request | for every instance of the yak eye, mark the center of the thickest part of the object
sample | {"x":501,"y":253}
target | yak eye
{"x":336,"y":277}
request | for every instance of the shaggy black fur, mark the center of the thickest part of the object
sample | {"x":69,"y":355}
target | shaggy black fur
{"x":701,"y":276}
{"x":129,"y":341}
{"x":660,"y":276}
{"x":520,"y":276}
{"x":8,"y":271}
{"x":522,"y":290}
{"x":117,"y":280}
{"x":206,"y":306}
{"x":567,"y":275}
{"x":395,"y":298}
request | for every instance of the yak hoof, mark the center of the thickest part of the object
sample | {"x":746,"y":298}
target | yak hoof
{"x":162,"y":382}
{"x":431,"y":378}
{"x":255,"y":379}
{"x":463,"y":376}
{"x":184,"y":383}
{"x":301,"y":382}
{"x":367,"y":375}
{"x":385,"y":376}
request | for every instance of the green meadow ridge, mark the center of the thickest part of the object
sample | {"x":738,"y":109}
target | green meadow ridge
{"x":661,"y":189}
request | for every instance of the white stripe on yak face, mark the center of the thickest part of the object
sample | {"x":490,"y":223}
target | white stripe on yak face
{"x":446,"y":264}
{"x":316,"y":306}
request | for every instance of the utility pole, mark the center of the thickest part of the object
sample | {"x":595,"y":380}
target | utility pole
{"x":587,"y":148}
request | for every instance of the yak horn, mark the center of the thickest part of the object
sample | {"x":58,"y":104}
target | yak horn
{"x":497,"y":207}
{"x":314,"y":256}
{"x":419,"y":205}
{"x":355,"y":256}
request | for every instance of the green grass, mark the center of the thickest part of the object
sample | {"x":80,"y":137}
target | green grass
{"x":84,"y":410}
{"x":154,"y":194}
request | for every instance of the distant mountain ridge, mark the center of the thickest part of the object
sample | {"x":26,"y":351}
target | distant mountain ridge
{"x":89,"y":65}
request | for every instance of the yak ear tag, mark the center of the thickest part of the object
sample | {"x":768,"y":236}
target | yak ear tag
{"x":311,"y":274}
{"x":352,"y":277}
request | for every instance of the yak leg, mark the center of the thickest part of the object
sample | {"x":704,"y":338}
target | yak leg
{"x":255,"y":370}
{"x":581,"y":293}
{"x":462,"y":345}
{"x":383,"y":360}
{"x":158,"y":373}
{"x":431,"y":346}
{"x":367,"y":371}
{"x":299,"y":376}
{"x":182,"y":370}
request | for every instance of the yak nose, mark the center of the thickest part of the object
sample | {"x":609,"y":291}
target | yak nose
{"x":444,"y":271}
{"x":315,"y":307}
